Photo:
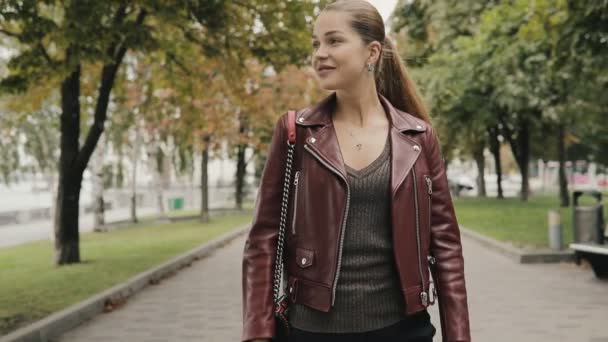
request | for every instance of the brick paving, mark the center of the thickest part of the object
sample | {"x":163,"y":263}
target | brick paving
{"x":507,"y":302}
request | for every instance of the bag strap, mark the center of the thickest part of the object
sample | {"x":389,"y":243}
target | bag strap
{"x":279,"y":262}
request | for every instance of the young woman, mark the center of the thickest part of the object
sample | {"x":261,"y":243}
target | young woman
{"x":371,"y":222}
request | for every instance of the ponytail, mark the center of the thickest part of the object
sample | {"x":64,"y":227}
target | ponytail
{"x":394,"y":83}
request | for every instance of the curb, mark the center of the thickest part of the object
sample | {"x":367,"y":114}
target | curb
{"x":50,"y":327}
{"x":519,"y":255}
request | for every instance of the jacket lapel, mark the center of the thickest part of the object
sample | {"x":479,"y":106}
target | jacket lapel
{"x":324,"y":146}
{"x":405,"y":153}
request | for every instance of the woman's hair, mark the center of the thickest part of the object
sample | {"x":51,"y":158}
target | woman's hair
{"x":392,"y":78}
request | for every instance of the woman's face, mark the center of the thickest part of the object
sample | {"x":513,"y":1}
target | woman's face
{"x":339,"y":54}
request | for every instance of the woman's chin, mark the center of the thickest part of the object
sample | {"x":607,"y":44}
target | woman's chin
{"x":327,"y":85}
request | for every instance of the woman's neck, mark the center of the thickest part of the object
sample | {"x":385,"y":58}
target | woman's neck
{"x":360,"y":107}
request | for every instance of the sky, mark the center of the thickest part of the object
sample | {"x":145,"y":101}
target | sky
{"x":385,"y":7}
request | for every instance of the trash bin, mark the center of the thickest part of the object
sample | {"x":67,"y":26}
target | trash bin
{"x":588,"y":221}
{"x":176,"y":203}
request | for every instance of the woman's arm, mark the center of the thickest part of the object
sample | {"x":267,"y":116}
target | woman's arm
{"x":447,"y":250}
{"x":260,"y":247}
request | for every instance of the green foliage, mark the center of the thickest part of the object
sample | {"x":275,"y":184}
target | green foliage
{"x":506,"y":62}
{"x":50,"y":39}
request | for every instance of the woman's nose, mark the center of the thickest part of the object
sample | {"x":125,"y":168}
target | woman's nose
{"x":320,"y":53}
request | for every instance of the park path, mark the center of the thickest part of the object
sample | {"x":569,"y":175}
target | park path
{"x":507,"y":302}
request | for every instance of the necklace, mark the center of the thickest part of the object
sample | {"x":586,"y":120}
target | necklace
{"x":359,"y":145}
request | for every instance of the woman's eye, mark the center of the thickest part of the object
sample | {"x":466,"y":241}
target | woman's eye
{"x":332,"y":41}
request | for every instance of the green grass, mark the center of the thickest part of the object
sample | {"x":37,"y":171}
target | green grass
{"x":524,"y":224}
{"x":31,"y":287}
{"x":192,"y":212}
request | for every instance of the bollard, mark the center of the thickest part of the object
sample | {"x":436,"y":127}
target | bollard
{"x":555,"y":230}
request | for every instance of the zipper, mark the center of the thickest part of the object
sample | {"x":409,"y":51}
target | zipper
{"x":295,"y":203}
{"x":430,"y":258}
{"x":424,"y":297}
{"x":429,"y":184}
{"x":344,"y":216}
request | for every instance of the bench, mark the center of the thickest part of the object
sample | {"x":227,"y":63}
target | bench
{"x":596,"y":254}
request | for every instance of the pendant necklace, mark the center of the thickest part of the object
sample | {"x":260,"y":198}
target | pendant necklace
{"x":359,"y":145}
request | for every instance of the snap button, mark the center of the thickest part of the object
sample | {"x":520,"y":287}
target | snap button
{"x":300,"y":119}
{"x":312,"y":140}
{"x":416,"y":147}
{"x":304,"y":257}
{"x":291,"y":289}
{"x":418,"y":126}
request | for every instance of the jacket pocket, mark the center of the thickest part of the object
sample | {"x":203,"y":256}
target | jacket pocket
{"x":296,"y":183}
{"x":304,"y":257}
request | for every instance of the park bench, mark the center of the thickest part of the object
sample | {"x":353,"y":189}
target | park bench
{"x":595,"y":254}
{"x":590,"y":234}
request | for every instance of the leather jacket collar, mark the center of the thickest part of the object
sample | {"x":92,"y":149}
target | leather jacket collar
{"x":324,"y":143}
{"x":320,"y":114}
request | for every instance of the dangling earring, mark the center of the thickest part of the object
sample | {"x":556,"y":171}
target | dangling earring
{"x":370,"y":67}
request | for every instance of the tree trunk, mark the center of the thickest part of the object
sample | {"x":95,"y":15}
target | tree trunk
{"x":495,"y":149}
{"x":205,"y":182}
{"x":563,"y":181}
{"x":524,"y":143}
{"x":480,"y":162}
{"x":159,"y":161}
{"x":98,"y":200}
{"x":240,"y":175}
{"x":521,"y":151}
{"x":520,"y":145}
{"x":134,"y":160}
{"x":70,"y":177}
{"x":73,"y":159}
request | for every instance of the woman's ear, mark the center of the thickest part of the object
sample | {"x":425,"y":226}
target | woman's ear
{"x":374,"y":49}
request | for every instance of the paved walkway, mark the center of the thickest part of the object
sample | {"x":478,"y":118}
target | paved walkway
{"x":508,"y":302}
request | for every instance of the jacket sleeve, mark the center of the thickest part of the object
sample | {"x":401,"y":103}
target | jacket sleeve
{"x":447,"y":249}
{"x":260,"y":246}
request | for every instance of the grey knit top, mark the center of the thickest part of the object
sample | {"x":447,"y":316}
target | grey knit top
{"x":368,"y":294}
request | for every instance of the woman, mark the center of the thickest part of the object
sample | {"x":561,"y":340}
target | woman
{"x":371,"y":221}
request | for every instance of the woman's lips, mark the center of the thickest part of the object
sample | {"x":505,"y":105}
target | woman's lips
{"x":325,"y":71}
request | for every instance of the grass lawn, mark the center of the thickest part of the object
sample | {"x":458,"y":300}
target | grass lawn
{"x":525,"y":224}
{"x":247,"y":205}
{"x":31,"y":287}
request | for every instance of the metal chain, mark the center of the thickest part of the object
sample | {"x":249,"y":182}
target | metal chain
{"x":279,"y":262}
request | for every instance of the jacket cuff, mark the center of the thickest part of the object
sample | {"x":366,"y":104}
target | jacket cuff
{"x":259,"y":329}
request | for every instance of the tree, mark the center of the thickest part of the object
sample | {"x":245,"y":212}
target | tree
{"x":57,"y":41}
{"x":522,"y":66}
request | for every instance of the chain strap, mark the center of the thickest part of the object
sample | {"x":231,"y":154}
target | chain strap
{"x":279,"y":262}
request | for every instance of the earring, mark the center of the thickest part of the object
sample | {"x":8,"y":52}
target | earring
{"x":370,"y":67}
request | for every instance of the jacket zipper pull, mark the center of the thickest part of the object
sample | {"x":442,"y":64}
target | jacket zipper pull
{"x":434,"y":293}
{"x":295,"y":203}
{"x":431,"y":260}
{"x":429,"y":183}
{"x":424,"y":298}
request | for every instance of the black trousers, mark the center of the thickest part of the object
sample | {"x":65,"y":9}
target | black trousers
{"x":415,"y":328}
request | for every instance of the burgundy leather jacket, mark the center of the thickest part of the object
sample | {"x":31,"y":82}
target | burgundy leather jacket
{"x":426,"y":236}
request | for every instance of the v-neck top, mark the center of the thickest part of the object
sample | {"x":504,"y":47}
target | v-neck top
{"x":368,"y":292}
{"x":366,"y":170}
